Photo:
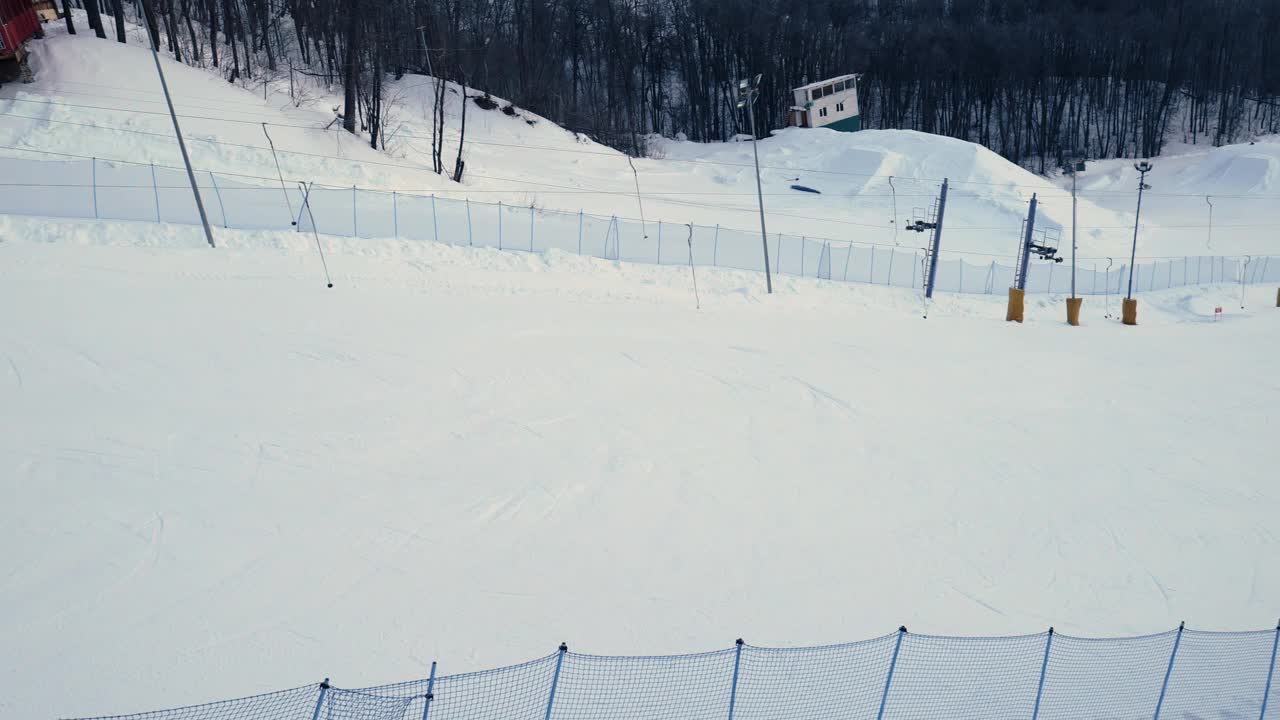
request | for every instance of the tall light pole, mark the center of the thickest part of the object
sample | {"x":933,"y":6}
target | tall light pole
{"x":747,"y":91}
{"x":182,"y":146}
{"x":1073,"y":304}
{"x":1143,"y":168}
{"x":1129,"y":314}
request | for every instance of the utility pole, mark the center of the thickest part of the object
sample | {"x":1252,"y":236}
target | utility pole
{"x":747,"y":92}
{"x":1129,"y":314}
{"x":186,"y":160}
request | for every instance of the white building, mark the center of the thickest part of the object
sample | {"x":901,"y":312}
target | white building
{"x":831,"y":103}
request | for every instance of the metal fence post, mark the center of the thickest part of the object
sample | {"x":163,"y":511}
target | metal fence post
{"x":737,"y":664}
{"x":499,"y":224}
{"x":715,"y":247}
{"x":395,"y":219}
{"x":324,"y":690}
{"x":803,"y":242}
{"x":884,"y":697}
{"x":1271,"y":671}
{"x":355,"y":217}
{"x":961,"y":266}
{"x":467,"y":201}
{"x":579,"y":232}
{"x":555,"y":679}
{"x":431,"y":691}
{"x":531,"y":221}
{"x":435,"y":224}
{"x":1044,"y":666}
{"x":155,"y":191}
{"x":888,"y":279}
{"x":659,"y":255}
{"x":93,"y":165}
{"x":871,"y":268}
{"x":777,"y":253}
{"x":223,"y":208}
{"x":1164,"y":687}
{"x":848,"y":255}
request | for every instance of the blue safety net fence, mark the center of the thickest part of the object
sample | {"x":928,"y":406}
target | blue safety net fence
{"x":1177,"y":675}
{"x":96,"y":189}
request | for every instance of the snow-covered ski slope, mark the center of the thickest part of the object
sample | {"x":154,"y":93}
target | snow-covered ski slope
{"x":222,"y":477}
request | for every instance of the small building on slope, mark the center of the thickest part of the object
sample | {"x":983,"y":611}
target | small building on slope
{"x":831,"y":103}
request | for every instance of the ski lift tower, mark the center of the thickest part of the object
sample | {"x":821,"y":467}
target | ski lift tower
{"x":933,"y":224}
{"x":1043,"y":245}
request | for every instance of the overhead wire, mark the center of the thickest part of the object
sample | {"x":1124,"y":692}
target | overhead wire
{"x":1044,"y":192}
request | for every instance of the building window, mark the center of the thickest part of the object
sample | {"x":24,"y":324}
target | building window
{"x":840,"y":86}
{"x":828,"y":90}
{"x":839,"y":107}
{"x":822,"y":112}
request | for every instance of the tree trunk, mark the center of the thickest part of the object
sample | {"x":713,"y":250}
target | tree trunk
{"x":350,"y":68}
{"x":458,"y":164}
{"x":95,"y":18}
{"x":66,"y":12}
{"x":152,"y":28}
{"x":117,"y":9}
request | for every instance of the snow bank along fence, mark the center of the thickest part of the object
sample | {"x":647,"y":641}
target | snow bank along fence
{"x":1176,"y":675}
{"x":114,"y":191}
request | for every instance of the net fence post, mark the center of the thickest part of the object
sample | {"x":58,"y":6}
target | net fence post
{"x":803,"y":242}
{"x":499,"y":224}
{"x":431,"y":691}
{"x":1044,"y":667}
{"x":435,"y":224}
{"x":467,"y":202}
{"x":395,"y":215}
{"x":579,"y":232}
{"x":223,"y":208}
{"x":155,"y":190}
{"x":1164,"y":686}
{"x":888,"y":279}
{"x":715,"y":247}
{"x":355,"y":213}
{"x":737,"y":665}
{"x":658,"y":257}
{"x":93,"y":170}
{"x":531,"y":221}
{"x":324,"y":690}
{"x":888,"y":680}
{"x":555,"y":679}
{"x":1271,"y":671}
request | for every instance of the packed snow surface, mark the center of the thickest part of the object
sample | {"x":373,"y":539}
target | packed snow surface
{"x":222,"y":477}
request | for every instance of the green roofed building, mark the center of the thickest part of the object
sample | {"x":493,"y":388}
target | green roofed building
{"x":831,"y":104}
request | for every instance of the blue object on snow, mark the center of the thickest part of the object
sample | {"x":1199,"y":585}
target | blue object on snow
{"x":802,"y":188}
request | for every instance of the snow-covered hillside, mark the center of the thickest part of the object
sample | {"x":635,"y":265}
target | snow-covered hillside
{"x":94,"y":98}
{"x":222,"y":477}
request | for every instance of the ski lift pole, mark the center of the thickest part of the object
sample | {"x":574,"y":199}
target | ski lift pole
{"x":1017,"y":294}
{"x":937,"y":242}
